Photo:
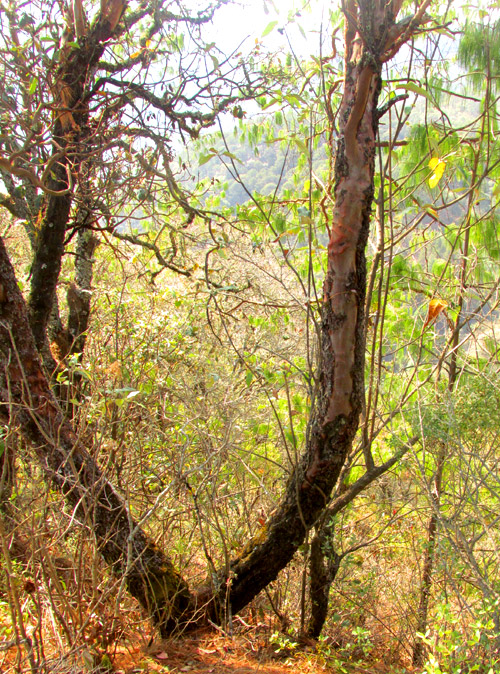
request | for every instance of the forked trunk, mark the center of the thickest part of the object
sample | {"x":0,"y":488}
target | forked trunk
{"x":70,"y":139}
{"x":324,"y":565}
{"x":372,"y":36}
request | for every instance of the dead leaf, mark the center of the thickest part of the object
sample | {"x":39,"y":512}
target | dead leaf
{"x":114,"y":369}
{"x":435,"y":308}
{"x":161,"y":656}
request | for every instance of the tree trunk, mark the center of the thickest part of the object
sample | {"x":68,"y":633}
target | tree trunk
{"x":79,"y":294}
{"x":71,"y":134}
{"x":28,"y":403}
{"x":371,"y":37}
{"x":47,"y":261}
{"x":7,"y":472}
{"x":323,"y":567}
{"x":325,"y":561}
{"x":429,"y":558}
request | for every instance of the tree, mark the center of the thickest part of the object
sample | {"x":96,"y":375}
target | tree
{"x":74,"y":116}
{"x":69,"y":130}
{"x":372,"y":37}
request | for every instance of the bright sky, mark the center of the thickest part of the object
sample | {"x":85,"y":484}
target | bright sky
{"x":234,"y":23}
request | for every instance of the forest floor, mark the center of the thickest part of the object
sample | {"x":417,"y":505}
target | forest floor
{"x":210,"y":652}
{"x":205,"y":651}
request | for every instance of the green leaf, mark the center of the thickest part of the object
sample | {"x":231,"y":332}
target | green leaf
{"x":125,"y":390}
{"x":33,"y":86}
{"x":301,"y":145}
{"x":204,"y":158}
{"x":293,"y":99}
{"x":232,"y":156}
{"x":411,"y":86}
{"x":269,"y":28}
{"x":430,"y":210}
{"x":249,"y":377}
{"x":280,"y":223}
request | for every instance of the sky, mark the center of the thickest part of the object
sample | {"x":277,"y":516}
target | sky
{"x":247,"y":20}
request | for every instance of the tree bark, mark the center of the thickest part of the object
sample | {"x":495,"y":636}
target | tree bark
{"x":324,"y":565}
{"x":79,"y":294}
{"x":27,"y":402}
{"x":371,"y":37}
{"x":325,"y":561}
{"x":429,"y":558}
{"x":7,"y":472}
{"x":71,"y":134}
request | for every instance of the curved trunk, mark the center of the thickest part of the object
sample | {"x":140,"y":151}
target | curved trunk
{"x":340,"y":394}
{"x":27,"y":401}
{"x":371,"y":37}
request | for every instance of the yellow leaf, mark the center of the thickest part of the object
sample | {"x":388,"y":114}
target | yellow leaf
{"x":438,"y":166}
{"x":435,"y":308}
{"x":135,"y":54}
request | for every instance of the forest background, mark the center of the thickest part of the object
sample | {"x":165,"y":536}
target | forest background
{"x":171,"y":347}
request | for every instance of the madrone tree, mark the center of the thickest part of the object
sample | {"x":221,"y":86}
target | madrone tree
{"x":97,"y":101}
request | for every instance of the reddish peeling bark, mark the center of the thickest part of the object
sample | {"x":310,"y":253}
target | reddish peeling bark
{"x":371,"y":35}
{"x":70,"y":135}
